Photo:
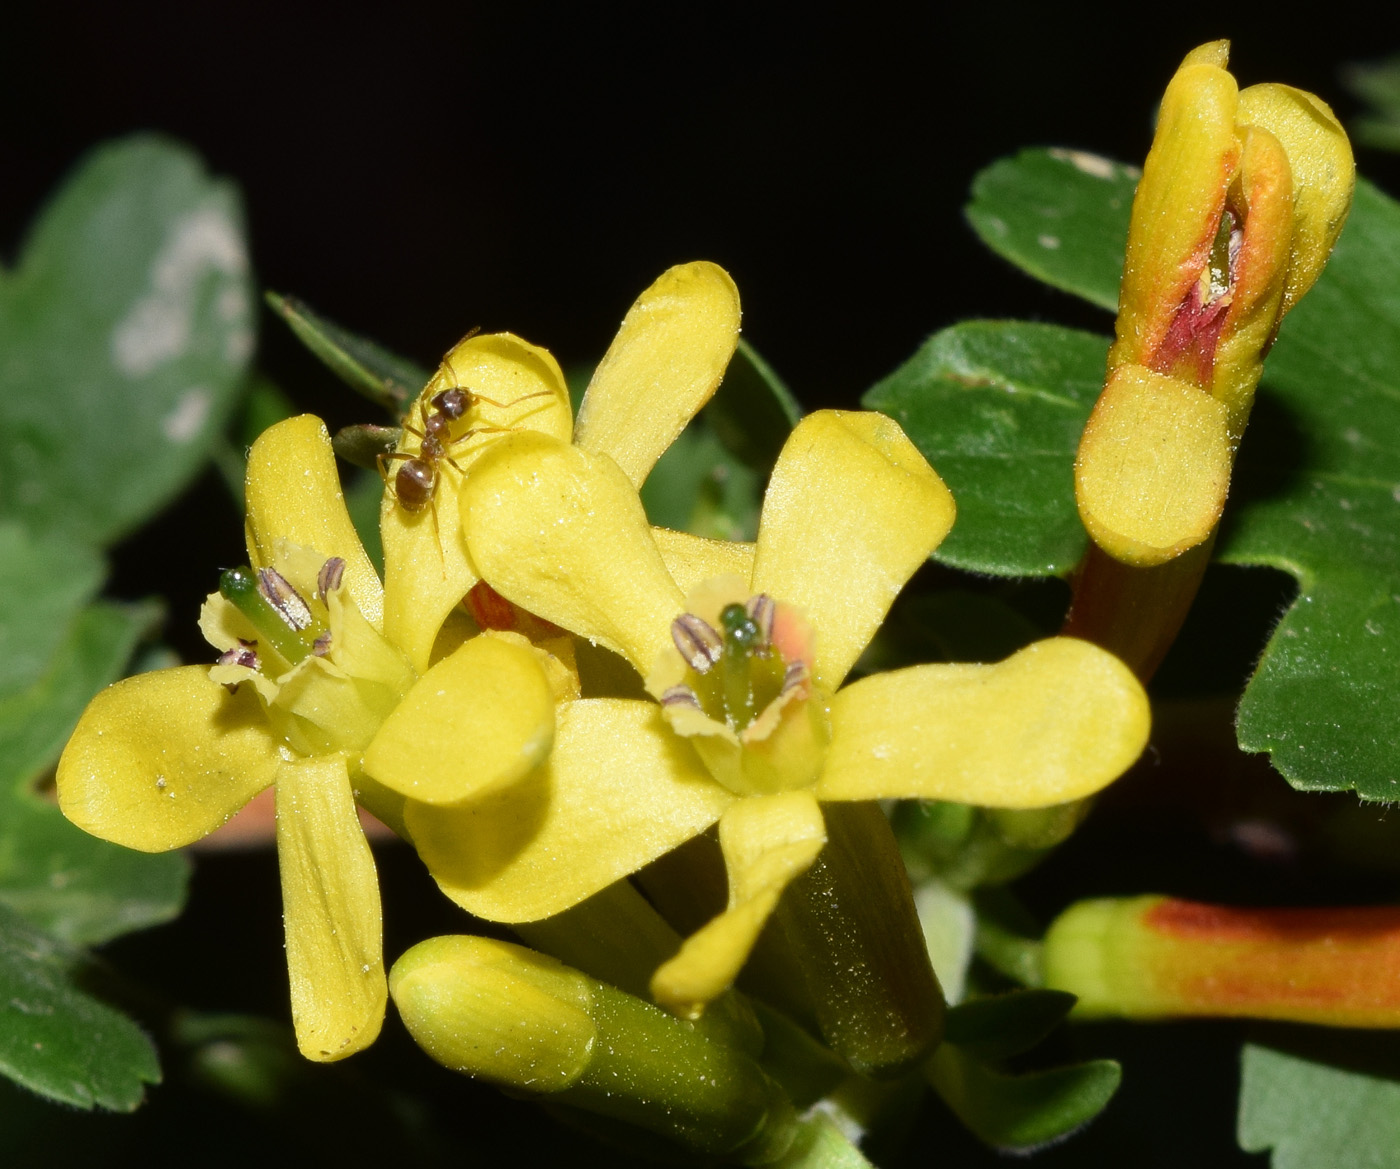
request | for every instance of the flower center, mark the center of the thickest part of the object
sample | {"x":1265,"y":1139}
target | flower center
{"x":279,"y":613}
{"x":734,"y":673}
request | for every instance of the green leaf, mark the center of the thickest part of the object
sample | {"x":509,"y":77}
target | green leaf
{"x":1020,"y":1113}
{"x":997,"y":408}
{"x":366,"y":367}
{"x":57,"y":1040}
{"x":698,"y":486}
{"x":125,"y":330}
{"x":1320,"y":1114}
{"x":43,"y":583}
{"x":1325,"y":700}
{"x":753,"y":411}
{"x":1061,"y":215}
{"x":74,"y":886}
{"x":1006,"y":1024}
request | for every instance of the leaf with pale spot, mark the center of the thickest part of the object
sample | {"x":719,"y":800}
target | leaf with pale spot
{"x":125,"y":331}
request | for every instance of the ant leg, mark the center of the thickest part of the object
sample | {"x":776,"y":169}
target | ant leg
{"x":513,"y":401}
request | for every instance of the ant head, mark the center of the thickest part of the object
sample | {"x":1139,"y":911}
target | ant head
{"x":452,"y":403}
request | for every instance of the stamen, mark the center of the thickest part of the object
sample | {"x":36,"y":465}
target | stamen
{"x":794,"y":676}
{"x":696,"y":641}
{"x":329,"y":578}
{"x":322,"y":645}
{"x":680,"y":696}
{"x":761,"y":609}
{"x":278,"y":592}
{"x":240,"y":655}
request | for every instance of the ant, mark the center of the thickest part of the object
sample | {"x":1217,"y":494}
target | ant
{"x":416,"y":481}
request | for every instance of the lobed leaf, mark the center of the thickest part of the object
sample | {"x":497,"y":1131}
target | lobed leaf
{"x":1317,"y":1113}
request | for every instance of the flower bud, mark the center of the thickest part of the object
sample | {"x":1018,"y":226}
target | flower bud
{"x":503,"y":1013}
{"x":1155,"y":957}
{"x":1241,"y":199}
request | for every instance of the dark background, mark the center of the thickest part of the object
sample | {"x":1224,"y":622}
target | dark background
{"x":417,"y":171}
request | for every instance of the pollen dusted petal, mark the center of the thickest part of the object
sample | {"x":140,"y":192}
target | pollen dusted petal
{"x":1054,"y":722}
{"x":293,"y":494}
{"x":665,"y":363}
{"x":562,"y":534}
{"x":160,"y":760}
{"x":768,"y":841}
{"x":330,"y":908}
{"x":476,"y":722}
{"x":618,"y":791}
{"x":852,"y":510}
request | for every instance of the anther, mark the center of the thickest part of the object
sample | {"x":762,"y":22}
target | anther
{"x":329,"y":578}
{"x":288,"y":603}
{"x":696,"y":641}
{"x":761,"y":609}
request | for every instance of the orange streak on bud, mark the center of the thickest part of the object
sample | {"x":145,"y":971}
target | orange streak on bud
{"x":1154,"y":957}
{"x":1337,"y":966}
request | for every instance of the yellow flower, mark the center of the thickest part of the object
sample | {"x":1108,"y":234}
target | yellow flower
{"x":1242,"y":197}
{"x":310,"y":695}
{"x":665,"y":363}
{"x":851,"y":512}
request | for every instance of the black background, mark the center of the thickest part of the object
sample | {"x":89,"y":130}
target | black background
{"x":418,"y":170}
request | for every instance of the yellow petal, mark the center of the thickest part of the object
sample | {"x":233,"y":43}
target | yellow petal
{"x":1176,"y":210}
{"x":1258,"y":274}
{"x":1215,"y":53}
{"x":294,"y":494}
{"x":160,"y":760}
{"x":851,"y":511}
{"x":692,"y":560}
{"x":618,"y":791}
{"x":1054,"y":722}
{"x":1324,"y":173}
{"x":664,"y":364}
{"x":562,"y":534}
{"x":1153,"y":466}
{"x":477,"y":721}
{"x":767,"y":841}
{"x":330,"y":908}
{"x":426,"y":567}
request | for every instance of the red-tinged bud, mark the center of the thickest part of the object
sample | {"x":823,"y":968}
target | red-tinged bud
{"x":1158,"y":957}
{"x":1242,"y":197}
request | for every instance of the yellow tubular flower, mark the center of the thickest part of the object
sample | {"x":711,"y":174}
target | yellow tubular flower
{"x":753,"y":727}
{"x":1242,"y":197}
{"x":310,"y":695}
{"x":641,"y":397}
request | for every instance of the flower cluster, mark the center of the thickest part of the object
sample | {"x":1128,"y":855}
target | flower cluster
{"x":453,"y":702}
